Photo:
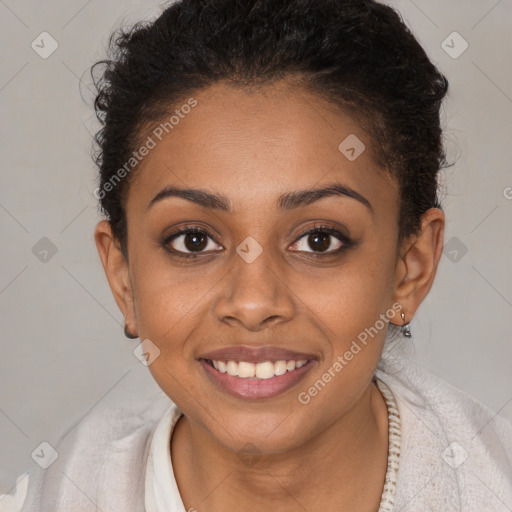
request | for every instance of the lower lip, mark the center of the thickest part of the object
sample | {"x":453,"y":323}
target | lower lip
{"x":256,"y":388}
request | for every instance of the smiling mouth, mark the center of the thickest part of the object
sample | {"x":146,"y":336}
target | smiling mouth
{"x":263,"y":370}
{"x":258,"y":380}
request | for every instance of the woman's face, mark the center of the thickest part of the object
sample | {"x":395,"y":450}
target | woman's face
{"x":251,"y":278}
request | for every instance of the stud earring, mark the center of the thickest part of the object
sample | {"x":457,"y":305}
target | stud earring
{"x":406,"y":329}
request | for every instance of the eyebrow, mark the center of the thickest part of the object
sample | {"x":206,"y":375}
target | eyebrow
{"x":285,"y":202}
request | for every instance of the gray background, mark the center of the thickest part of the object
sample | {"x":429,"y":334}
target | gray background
{"x":61,"y":332}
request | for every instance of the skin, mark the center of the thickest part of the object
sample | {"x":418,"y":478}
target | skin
{"x":252,"y":145}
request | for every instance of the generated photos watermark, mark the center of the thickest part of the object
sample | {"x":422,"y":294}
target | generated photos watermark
{"x":341,"y":361}
{"x":151,"y":142}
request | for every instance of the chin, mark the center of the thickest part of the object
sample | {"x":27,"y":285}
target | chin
{"x":260,"y":432}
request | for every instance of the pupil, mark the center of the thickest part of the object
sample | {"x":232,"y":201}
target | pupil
{"x":324,"y":241}
{"x":197,"y":241}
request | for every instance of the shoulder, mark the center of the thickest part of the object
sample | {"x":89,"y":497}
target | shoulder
{"x":454,"y":448}
{"x":98,"y":460}
{"x":459,"y":413}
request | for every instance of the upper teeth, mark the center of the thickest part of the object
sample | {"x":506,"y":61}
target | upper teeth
{"x":265,"y":370}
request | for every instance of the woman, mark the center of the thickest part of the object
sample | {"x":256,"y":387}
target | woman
{"x":268,"y":175}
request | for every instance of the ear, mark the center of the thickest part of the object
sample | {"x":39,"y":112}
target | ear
{"x":117,"y":272}
{"x":417,"y":263}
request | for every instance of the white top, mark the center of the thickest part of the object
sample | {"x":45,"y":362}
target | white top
{"x":456,"y":454}
{"x":161,"y":489}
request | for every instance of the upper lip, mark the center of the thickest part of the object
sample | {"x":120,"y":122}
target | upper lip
{"x":255,"y":354}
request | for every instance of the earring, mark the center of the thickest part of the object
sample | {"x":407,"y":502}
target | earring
{"x":406,"y":329}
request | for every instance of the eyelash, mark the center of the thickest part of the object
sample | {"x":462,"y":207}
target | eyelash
{"x":346,"y":241}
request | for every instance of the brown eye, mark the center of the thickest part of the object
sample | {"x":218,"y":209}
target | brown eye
{"x":319,"y":241}
{"x":195,"y":241}
{"x":189,"y":241}
{"x":322,"y":239}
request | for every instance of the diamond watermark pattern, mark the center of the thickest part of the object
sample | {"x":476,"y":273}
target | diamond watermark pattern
{"x":44,"y":250}
{"x":249,"y":454}
{"x":44,"y":45}
{"x":44,"y":455}
{"x":352,"y":147}
{"x":146,"y":352}
{"x":249,"y":249}
{"x":454,"y":249}
{"x":454,"y":455}
{"x":454,"y":45}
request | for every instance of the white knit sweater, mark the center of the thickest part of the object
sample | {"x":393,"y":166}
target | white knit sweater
{"x":456,"y":454}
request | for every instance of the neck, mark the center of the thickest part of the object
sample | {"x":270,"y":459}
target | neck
{"x":342,"y":468}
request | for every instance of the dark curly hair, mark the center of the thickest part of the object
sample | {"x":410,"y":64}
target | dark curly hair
{"x":356,"y":54}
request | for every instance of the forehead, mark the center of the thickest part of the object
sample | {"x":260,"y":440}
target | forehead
{"x":254,"y":144}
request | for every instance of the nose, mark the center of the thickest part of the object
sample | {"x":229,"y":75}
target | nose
{"x":255,"y":294}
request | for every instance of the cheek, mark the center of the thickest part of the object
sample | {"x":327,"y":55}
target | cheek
{"x":346,"y":300}
{"x":169,"y":309}
{"x":353,"y":310}
{"x":169,"y":303}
